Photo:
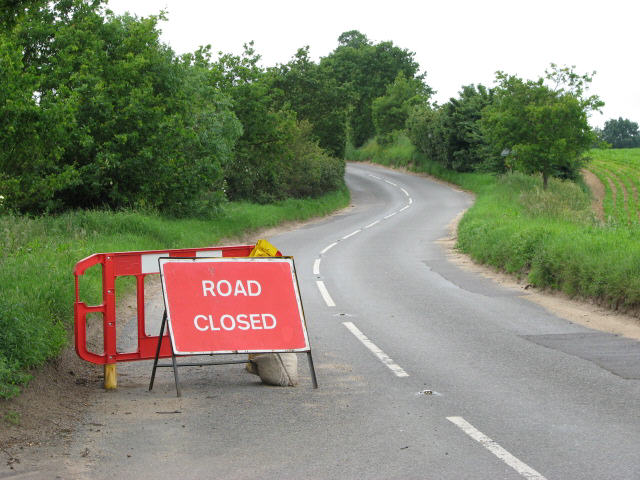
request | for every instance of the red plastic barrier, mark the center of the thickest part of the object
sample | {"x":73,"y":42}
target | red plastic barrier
{"x":138,"y":264}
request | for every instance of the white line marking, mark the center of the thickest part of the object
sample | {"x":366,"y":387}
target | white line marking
{"x":522,"y":468}
{"x":390,"y":215}
{"x":326,"y":249}
{"x":410,"y":200}
{"x":316,"y":267}
{"x":351,"y":234}
{"x":391,"y":183}
{"x":325,"y":294}
{"x":405,"y":192}
{"x":384,"y":358}
{"x":372,"y":224}
{"x":403,"y":208}
{"x":374,"y":176}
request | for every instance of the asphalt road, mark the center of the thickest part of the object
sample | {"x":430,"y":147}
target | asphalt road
{"x":426,"y":371}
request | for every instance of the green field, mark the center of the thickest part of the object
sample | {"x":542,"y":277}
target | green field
{"x":619,"y":172}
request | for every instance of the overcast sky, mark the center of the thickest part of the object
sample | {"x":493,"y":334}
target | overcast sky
{"x":457,"y":42}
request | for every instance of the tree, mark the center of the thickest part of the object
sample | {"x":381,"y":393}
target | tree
{"x":450,"y":134}
{"x":541,"y":129}
{"x":390,"y":111}
{"x":621,"y":133}
{"x":277,"y":155}
{"x":11,"y":11}
{"x":426,"y":130}
{"x":100,"y":103}
{"x":316,"y":96}
{"x":365,"y":69}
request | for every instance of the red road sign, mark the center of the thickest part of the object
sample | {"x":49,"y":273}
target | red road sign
{"x":233,"y":305}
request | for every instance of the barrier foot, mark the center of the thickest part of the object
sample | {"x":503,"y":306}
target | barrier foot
{"x":110,"y":376}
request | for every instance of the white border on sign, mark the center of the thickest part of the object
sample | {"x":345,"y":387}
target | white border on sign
{"x":289,"y":260}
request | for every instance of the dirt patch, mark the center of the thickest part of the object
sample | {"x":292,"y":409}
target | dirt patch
{"x":598,"y":192}
{"x":48,"y":408}
{"x":582,"y":312}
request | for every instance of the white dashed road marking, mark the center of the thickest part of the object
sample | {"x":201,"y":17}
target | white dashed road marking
{"x":351,"y":234}
{"x":316,"y":264}
{"x":326,"y":249}
{"x":384,"y":358}
{"x":325,"y":294}
{"x":372,"y":224}
{"x":522,"y":468}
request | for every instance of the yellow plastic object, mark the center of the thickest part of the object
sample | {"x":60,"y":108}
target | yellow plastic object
{"x":263,"y":249}
{"x":110,"y":376}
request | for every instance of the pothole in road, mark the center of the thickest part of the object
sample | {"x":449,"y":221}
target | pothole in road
{"x":342,"y":315}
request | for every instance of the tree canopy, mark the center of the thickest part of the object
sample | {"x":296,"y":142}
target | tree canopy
{"x":621,"y":133}
{"x":366,"y":69}
{"x":95,"y":111}
{"x":540,"y":128}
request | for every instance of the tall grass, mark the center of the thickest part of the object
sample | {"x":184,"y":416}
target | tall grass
{"x":550,"y":237}
{"x":400,"y":153}
{"x":37,"y":256}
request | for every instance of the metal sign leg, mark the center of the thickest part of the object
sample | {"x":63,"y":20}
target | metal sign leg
{"x":173,"y":359}
{"x":175,"y":372}
{"x":155,"y":361}
{"x":313,"y":370}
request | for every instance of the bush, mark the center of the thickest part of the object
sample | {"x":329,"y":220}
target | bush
{"x":312,"y":171}
{"x":450,"y":134}
{"x":99,"y":113}
{"x":397,"y":151}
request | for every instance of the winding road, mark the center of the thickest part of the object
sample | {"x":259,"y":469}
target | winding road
{"x":425,"y":371}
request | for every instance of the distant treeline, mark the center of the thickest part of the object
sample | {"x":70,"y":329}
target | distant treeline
{"x":95,"y":111}
{"x":620,"y":133}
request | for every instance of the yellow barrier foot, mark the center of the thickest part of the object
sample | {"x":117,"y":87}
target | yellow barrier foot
{"x":110,"y":376}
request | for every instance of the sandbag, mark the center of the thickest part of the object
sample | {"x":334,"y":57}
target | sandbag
{"x":280,"y":369}
{"x":252,"y":367}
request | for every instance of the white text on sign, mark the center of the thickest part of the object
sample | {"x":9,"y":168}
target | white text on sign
{"x":226,"y":288}
{"x":253,"y":321}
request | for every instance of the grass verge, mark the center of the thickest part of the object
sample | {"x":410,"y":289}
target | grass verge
{"x":550,"y":237}
{"x":37,"y":256}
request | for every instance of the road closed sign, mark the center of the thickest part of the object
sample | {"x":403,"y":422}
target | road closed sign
{"x":233,"y":305}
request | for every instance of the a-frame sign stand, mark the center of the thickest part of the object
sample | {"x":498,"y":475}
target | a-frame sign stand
{"x":174,"y":364}
{"x":188,"y":265}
